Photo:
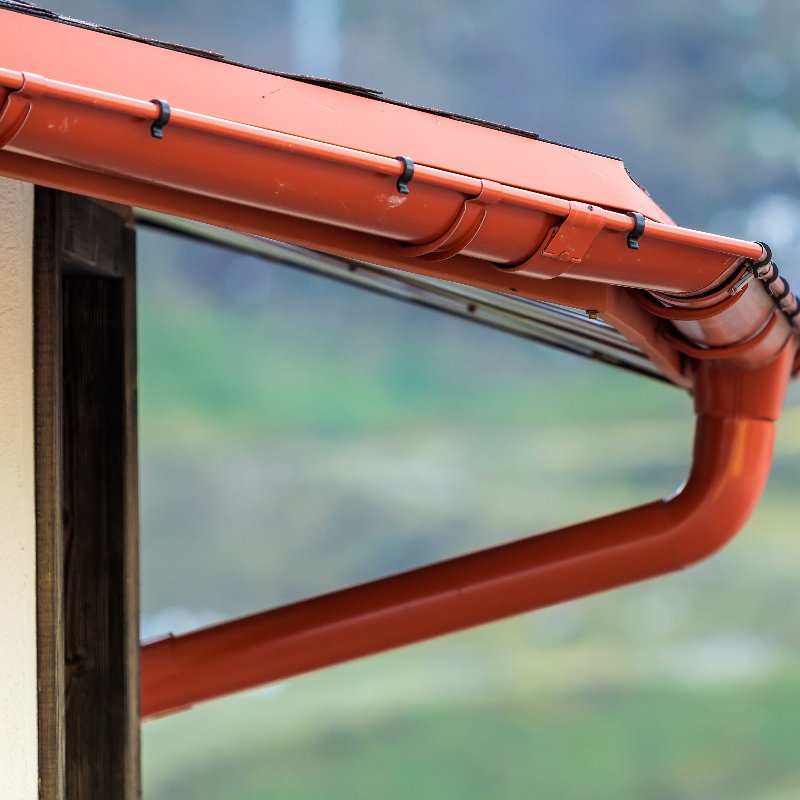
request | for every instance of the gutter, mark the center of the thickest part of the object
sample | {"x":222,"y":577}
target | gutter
{"x":430,"y":215}
{"x":374,"y":207}
{"x":710,"y":311}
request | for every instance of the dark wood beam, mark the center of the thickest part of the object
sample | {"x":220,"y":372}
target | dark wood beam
{"x":87,"y":498}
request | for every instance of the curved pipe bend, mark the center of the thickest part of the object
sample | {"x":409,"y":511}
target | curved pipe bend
{"x":732,"y":454}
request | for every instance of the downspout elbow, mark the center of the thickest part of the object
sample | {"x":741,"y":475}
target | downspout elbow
{"x":736,"y":414}
{"x":733,"y":447}
{"x":731,"y":464}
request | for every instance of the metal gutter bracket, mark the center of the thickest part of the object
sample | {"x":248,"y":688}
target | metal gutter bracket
{"x":406,"y":175}
{"x":571,"y":240}
{"x":566,"y":244}
{"x":164,"y":113}
{"x":637,"y":231}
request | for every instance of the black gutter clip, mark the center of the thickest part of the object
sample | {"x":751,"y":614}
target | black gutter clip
{"x":406,"y":175}
{"x":767,"y":259}
{"x":157,"y":128}
{"x":638,"y":229}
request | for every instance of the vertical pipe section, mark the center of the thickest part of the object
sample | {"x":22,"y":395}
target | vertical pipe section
{"x":733,"y":450}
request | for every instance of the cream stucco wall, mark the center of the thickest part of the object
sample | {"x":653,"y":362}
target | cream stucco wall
{"x":18,"y":726}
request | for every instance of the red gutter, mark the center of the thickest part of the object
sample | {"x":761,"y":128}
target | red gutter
{"x":732,"y":454}
{"x":481,"y":207}
{"x":50,"y":128}
{"x":443,"y":214}
{"x":612,"y":304}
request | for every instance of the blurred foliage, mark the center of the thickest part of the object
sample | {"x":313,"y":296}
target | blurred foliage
{"x":283,"y":457}
{"x":380,"y":434}
{"x":610,"y":741}
{"x":297,"y":436}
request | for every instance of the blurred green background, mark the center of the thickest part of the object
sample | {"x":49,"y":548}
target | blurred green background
{"x":298,"y":435}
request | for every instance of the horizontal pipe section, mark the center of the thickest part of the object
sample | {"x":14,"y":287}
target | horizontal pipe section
{"x":732,"y":454}
{"x":344,"y":187}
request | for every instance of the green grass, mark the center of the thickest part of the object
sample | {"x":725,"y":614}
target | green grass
{"x":644,"y":741}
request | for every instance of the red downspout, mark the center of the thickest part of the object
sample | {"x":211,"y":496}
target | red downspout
{"x":739,"y":339}
{"x":732,"y":453}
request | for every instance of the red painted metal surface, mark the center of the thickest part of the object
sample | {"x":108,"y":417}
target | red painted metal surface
{"x":318,"y":167}
{"x":732,"y":454}
{"x":226,"y":91}
{"x":279,"y":170}
{"x":352,"y":189}
{"x":611,"y":303}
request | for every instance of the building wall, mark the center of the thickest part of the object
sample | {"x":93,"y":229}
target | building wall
{"x":18,"y":713}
